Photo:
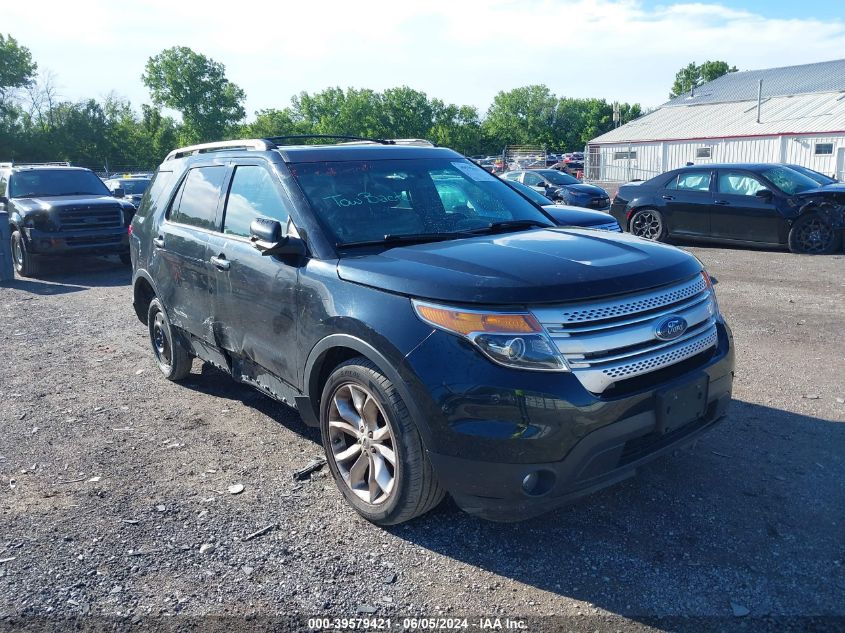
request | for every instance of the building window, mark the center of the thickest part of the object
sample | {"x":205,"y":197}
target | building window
{"x":703,"y":152}
{"x":624,"y":155}
{"x":824,"y":149}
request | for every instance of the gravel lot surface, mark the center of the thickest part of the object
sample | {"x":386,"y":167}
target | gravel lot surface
{"x":114,"y":485}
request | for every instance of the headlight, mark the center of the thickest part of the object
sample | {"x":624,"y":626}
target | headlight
{"x":709,"y":283}
{"x":512,"y":339}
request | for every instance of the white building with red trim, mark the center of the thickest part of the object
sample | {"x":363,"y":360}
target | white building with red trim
{"x":793,"y":115}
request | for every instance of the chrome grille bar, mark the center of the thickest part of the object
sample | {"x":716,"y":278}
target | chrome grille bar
{"x":611,"y":340}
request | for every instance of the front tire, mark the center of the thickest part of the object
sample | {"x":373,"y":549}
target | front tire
{"x":648,"y":224}
{"x":813,"y":235}
{"x":171,"y":356}
{"x":373,"y":448}
{"x":26,"y":264}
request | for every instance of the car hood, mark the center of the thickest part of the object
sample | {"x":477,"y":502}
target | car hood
{"x":584,"y":189}
{"x":59,"y":202}
{"x":836,"y":187}
{"x":576,"y":216}
{"x":536,"y":266}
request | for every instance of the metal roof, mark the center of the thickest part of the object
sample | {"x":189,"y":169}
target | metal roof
{"x":777,"y":82}
{"x":800,"y":114}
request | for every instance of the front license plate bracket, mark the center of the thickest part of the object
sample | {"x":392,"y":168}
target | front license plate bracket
{"x":678,"y":406}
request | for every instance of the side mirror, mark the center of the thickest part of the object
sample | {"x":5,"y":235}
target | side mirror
{"x":765,"y":194}
{"x":265,"y":230}
{"x":266,"y":236}
{"x":118,"y":192}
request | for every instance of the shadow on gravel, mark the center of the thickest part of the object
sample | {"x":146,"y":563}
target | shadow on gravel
{"x":211,"y":381}
{"x":751,"y":514}
{"x":60,"y":275}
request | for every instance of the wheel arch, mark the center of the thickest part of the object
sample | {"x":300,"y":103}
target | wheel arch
{"x":143,"y":292}
{"x":333,"y":350}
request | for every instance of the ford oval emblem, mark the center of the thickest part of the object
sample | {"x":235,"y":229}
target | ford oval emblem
{"x":670,"y":328}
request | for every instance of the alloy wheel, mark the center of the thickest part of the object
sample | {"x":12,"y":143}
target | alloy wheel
{"x":17,"y":251}
{"x":362,"y":443}
{"x":815,"y":236}
{"x":647,"y":224}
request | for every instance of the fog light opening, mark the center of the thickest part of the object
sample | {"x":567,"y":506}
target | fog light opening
{"x":538,"y":482}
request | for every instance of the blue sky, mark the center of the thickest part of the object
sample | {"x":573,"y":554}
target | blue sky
{"x":462,"y":51}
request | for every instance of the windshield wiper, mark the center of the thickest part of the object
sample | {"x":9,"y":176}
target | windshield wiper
{"x":508,"y":225}
{"x":405,"y":238}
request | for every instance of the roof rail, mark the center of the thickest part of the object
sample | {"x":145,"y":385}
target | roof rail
{"x":55,"y":163}
{"x":380,"y":141}
{"x":258,"y":144}
{"x":414,"y":141}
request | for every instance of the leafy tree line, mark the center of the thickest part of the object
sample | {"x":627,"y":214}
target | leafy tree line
{"x":37,"y":125}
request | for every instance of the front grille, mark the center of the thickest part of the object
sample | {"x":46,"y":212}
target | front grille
{"x":599,"y":203}
{"x":90,"y":218}
{"x":94,"y":240}
{"x":608,"y":341}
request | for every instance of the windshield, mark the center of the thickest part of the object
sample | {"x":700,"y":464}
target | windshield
{"x":367,"y":200}
{"x":789,"y":181}
{"x":559,"y":178}
{"x":528,"y":192}
{"x":813,"y":174}
{"x":133,"y":187}
{"x":56,"y":182}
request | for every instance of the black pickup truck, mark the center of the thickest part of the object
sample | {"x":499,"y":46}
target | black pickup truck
{"x":59,"y":210}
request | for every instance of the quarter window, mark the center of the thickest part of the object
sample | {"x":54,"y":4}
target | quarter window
{"x":196,"y":202}
{"x":824,"y":149}
{"x":253,"y":194}
{"x":692,"y":181}
{"x":532,"y":180}
{"x":739,"y":184}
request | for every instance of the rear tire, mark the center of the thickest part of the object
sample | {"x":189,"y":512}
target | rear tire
{"x":813,"y":235}
{"x":171,"y":356}
{"x":26,"y":264}
{"x":365,"y":424}
{"x":648,"y":224}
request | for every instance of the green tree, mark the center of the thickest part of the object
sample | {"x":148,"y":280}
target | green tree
{"x":693,"y":75}
{"x":521,"y":116}
{"x":17,"y":70}
{"x":197,"y":87}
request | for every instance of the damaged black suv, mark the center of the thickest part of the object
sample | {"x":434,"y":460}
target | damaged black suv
{"x":58,"y":210}
{"x":444,"y":334}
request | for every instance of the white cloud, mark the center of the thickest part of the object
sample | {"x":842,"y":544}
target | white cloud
{"x":462,"y":51}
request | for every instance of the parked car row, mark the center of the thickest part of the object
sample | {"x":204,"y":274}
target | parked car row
{"x":763,"y":204}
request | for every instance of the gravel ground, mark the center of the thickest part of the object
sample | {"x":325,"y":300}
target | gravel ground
{"x":114,"y":486}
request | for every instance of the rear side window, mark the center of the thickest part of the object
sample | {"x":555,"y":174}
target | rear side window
{"x":253,"y":194}
{"x":196,"y":202}
{"x":2,"y":184}
{"x":160,"y":183}
{"x":691,"y":181}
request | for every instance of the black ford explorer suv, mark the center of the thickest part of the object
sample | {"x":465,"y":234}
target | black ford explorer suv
{"x":473,"y":347}
{"x":55,"y":209}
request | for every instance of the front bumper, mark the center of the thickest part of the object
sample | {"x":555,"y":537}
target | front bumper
{"x":102,"y":242}
{"x":491,"y":427}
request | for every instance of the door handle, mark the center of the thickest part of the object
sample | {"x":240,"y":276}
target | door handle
{"x":158,"y":242}
{"x":221,"y":262}
{"x":668,"y":197}
{"x":721,"y":202}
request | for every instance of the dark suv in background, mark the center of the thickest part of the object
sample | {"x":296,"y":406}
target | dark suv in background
{"x":444,"y":338}
{"x":59,"y":210}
